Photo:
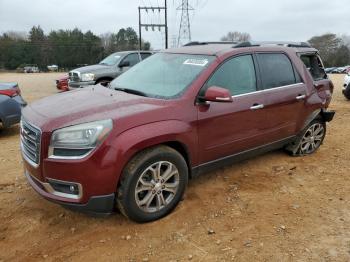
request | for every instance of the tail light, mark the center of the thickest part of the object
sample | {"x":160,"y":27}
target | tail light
{"x":11,"y":92}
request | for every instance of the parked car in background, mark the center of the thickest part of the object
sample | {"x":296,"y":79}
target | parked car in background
{"x":329,"y":70}
{"x":346,"y":86}
{"x":179,"y":113}
{"x":108,"y":69}
{"x":31,"y":69}
{"x":62,"y":83}
{"x":341,"y":70}
{"x":52,"y":68}
{"x":11,"y":103}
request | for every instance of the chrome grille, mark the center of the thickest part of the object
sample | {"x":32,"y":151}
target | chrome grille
{"x":74,"y":76}
{"x":30,"y":142}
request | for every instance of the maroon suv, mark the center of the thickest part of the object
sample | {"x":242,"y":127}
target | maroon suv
{"x":177,"y":114}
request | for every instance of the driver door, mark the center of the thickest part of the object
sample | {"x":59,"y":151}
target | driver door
{"x":130,"y":60}
{"x":226,"y":129}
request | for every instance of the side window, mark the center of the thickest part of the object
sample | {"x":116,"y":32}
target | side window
{"x":236,"y":75}
{"x":145,"y":55}
{"x":276,"y":70}
{"x":314,"y":65}
{"x":133,"y":59}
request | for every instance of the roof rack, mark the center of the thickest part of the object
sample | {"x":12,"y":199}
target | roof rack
{"x":251,"y":44}
{"x":273,"y":43}
{"x":211,"y":43}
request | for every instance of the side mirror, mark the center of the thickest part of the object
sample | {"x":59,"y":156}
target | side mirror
{"x":217,"y":94}
{"x":124,"y":64}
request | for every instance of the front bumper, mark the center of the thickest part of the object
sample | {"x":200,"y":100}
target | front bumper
{"x":75,"y":85}
{"x":96,"y":205}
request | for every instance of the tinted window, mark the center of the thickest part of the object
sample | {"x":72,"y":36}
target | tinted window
{"x":314,"y":65}
{"x":236,"y":75}
{"x":133,"y":59}
{"x":145,"y":55}
{"x":276,"y":70}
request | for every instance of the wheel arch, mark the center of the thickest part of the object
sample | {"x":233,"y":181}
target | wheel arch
{"x":108,"y":78}
{"x":175,"y":134}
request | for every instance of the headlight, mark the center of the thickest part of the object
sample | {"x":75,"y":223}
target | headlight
{"x":78,"y":141}
{"x":87,"y":77}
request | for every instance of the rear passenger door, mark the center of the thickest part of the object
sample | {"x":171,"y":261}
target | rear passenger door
{"x":284,"y":93}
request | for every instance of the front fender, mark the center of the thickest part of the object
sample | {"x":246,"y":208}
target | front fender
{"x":132,"y":141}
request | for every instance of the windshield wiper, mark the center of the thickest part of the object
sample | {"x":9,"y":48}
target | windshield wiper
{"x":131,"y":91}
{"x":103,"y":64}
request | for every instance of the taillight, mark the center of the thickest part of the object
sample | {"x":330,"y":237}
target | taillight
{"x":10,"y":92}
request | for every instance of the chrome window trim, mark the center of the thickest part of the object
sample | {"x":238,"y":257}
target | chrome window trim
{"x":270,"y":89}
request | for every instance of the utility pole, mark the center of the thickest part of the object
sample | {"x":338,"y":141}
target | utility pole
{"x":153,"y":26}
{"x":185,"y":26}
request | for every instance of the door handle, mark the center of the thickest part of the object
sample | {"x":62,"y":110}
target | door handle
{"x":301,"y":97}
{"x":257,"y":107}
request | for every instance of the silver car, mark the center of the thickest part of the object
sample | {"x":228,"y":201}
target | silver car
{"x":108,"y":69}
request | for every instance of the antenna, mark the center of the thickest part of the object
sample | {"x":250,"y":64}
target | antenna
{"x":185,"y":26}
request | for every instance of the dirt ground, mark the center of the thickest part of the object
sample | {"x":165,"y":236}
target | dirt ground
{"x":270,"y":208}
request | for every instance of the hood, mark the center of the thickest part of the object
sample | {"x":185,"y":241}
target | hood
{"x":92,"y":68}
{"x":92,"y":104}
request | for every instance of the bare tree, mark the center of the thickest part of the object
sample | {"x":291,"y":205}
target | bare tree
{"x":236,"y":37}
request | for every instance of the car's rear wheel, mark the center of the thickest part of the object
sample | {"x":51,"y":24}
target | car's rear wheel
{"x":152,"y":184}
{"x":310,"y":139}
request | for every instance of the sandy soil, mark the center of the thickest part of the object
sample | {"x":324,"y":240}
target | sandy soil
{"x":270,"y":208}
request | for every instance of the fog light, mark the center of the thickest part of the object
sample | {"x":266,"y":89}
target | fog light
{"x":65,"y":187}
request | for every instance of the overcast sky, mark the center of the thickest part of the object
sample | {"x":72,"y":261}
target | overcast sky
{"x":288,"y":20}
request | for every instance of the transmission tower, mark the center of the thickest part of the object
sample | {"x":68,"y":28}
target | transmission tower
{"x":185,"y":26}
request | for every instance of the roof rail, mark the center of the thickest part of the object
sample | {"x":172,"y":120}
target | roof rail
{"x":273,"y":43}
{"x":211,"y":43}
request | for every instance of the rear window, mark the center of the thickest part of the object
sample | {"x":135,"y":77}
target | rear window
{"x":314,"y":65}
{"x":276,"y":70}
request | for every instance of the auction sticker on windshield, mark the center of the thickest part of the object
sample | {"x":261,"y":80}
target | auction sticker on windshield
{"x":196,"y":62}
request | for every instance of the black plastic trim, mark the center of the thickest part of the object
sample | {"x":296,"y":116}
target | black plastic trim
{"x":327,"y":115}
{"x":96,"y":206}
{"x":213,"y":165}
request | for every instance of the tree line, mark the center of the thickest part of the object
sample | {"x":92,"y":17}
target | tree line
{"x":65,"y":48}
{"x":334,"y":50}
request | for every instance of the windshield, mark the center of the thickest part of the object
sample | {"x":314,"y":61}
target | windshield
{"x":163,"y":75}
{"x":111,"y":60}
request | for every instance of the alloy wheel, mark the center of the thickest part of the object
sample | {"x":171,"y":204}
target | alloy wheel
{"x":312,"y":138}
{"x":157,"y":186}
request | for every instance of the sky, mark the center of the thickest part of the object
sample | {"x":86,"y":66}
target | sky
{"x":269,"y":20}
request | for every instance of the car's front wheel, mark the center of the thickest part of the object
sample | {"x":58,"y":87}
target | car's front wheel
{"x":152,"y":184}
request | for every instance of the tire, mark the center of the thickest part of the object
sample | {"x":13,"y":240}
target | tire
{"x":103,"y":82}
{"x":309,"y":140}
{"x":346,"y":92}
{"x":160,"y":194}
